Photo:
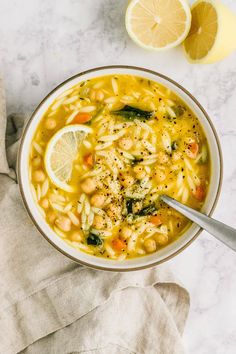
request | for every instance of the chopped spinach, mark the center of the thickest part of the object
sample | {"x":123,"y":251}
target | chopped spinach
{"x":136,"y":160}
{"x":174,"y":145}
{"x":179,"y":110}
{"x":132,"y":204}
{"x":130,"y":208}
{"x":94,"y":240}
{"x":131,"y":113}
{"x":148,"y":210}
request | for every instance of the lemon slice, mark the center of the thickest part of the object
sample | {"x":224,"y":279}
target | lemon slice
{"x":61,"y":152}
{"x":212,"y":34}
{"x":158,"y":24}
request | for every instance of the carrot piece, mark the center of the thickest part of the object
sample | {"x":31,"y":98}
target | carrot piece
{"x":156,"y":220}
{"x":192,"y":150}
{"x":88,"y":160}
{"x":82,"y":118}
{"x":118,"y":244}
{"x":200,"y":193}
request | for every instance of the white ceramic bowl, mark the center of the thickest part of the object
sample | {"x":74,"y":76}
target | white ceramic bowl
{"x":136,"y":263}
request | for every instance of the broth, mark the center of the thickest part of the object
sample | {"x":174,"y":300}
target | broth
{"x":141,"y":140}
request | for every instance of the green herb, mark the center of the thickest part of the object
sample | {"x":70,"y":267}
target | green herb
{"x":179,"y":110}
{"x":135,"y":161}
{"x":174,"y":145}
{"x":131,"y":113}
{"x":148,"y":210}
{"x":129,"y":206}
{"x":133,"y":204}
{"x":94,"y":240}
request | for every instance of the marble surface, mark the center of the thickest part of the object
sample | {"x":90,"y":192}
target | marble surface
{"x":43,"y":42}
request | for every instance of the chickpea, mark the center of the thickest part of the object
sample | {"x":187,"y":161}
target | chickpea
{"x":50,"y":123}
{"x":140,"y":172}
{"x":126,"y":232}
{"x":98,"y":222}
{"x":162,"y":157}
{"x":52,"y":217}
{"x":64,"y":223}
{"x":114,"y":211}
{"x":160,"y":176}
{"x":141,"y":175}
{"x":125,"y":143}
{"x":39,"y":176}
{"x":161,"y":239}
{"x":36,"y":162}
{"x":150,"y":245}
{"x":76,"y":236}
{"x":127,"y":181}
{"x":98,"y":200}
{"x":138,"y":168}
{"x":88,"y":186}
{"x":44,"y":203}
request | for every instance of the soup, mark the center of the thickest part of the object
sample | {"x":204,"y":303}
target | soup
{"x":102,"y":155}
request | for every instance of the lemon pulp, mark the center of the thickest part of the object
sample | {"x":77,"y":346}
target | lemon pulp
{"x":61,"y":152}
{"x":212,"y":34}
{"x":158,"y":24}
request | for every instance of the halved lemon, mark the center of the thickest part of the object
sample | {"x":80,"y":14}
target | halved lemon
{"x":212,"y":35}
{"x":61,"y":152}
{"x":158,"y":24}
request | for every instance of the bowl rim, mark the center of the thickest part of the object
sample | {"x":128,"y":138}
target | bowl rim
{"x":20,"y":181}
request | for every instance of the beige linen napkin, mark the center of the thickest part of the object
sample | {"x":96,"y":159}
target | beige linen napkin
{"x":49,"y":304}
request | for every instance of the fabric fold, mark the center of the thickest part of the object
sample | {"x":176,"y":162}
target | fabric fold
{"x":66,"y":300}
{"x":49,"y":304}
{"x":108,"y":328}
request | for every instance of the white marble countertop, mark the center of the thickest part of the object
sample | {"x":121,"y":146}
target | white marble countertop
{"x":43,"y":42}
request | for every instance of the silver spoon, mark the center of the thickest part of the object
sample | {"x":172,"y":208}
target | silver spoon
{"x":222,"y":232}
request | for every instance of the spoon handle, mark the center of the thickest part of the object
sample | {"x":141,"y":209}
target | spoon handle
{"x":222,"y":232}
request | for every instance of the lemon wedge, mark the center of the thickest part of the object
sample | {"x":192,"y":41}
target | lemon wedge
{"x":212,"y":35}
{"x":61,"y":152}
{"x":158,"y":24}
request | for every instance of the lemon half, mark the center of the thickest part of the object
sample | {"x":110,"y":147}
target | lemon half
{"x":61,"y":152}
{"x":158,"y":24}
{"x":212,"y":35}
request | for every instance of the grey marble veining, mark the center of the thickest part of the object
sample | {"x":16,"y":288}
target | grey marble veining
{"x":43,"y":42}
